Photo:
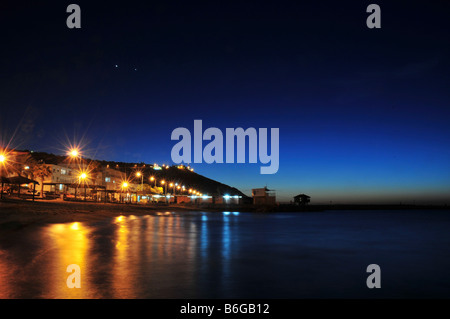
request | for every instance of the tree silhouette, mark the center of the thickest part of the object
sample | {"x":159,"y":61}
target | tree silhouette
{"x":41,"y":171}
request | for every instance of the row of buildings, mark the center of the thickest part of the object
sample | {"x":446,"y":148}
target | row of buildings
{"x":79,"y":180}
{"x":106,"y":184}
{"x":82,"y":180}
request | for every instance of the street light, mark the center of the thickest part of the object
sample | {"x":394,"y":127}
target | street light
{"x":74,"y":153}
{"x":2,"y":163}
{"x":153,"y":179}
{"x":163,"y":182}
{"x":124,"y":186}
{"x":142,"y":181}
{"x":83,"y":177}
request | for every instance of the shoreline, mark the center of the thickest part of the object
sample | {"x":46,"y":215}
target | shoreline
{"x":17,"y":213}
{"x":56,"y":211}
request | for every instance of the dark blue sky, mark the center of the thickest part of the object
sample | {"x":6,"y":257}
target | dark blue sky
{"x":363,"y":113}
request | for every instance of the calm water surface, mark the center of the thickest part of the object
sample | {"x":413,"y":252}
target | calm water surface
{"x":232,"y":255}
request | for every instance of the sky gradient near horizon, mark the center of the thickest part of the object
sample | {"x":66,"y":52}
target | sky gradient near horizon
{"x":363,"y":113}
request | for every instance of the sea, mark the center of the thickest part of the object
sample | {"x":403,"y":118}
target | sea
{"x":208,"y":255}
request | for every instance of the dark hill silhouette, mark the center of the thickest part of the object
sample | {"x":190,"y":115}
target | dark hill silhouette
{"x":172,"y":174}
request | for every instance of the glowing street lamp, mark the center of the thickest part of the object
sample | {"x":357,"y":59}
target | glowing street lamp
{"x":83,"y":176}
{"x":3,"y":160}
{"x":124,"y":186}
{"x":153,"y":179}
{"x":74,"y":153}
{"x":163,"y":182}
{"x":139,"y":174}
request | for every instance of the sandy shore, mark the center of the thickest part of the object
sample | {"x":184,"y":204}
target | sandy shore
{"x":14,"y":214}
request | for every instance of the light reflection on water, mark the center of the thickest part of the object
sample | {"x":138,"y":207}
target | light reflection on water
{"x":230,"y":255}
{"x":66,"y":244}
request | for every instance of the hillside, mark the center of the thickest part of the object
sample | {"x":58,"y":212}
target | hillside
{"x":173,"y":174}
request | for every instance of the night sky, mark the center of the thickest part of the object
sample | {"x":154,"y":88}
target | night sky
{"x":363,"y":113}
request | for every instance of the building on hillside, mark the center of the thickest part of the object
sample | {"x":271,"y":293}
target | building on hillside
{"x":59,"y":179}
{"x":112,"y":179}
{"x":65,"y":179}
{"x":263,"y":196}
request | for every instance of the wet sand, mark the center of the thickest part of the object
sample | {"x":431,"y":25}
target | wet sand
{"x":18,"y":213}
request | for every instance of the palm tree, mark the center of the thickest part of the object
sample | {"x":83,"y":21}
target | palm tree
{"x":22,"y":163}
{"x":41,"y":171}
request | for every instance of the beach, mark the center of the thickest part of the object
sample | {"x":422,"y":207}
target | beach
{"x":18,"y":213}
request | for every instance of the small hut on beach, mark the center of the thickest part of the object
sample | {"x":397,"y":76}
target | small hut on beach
{"x":18,"y":180}
{"x":302,"y":199}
